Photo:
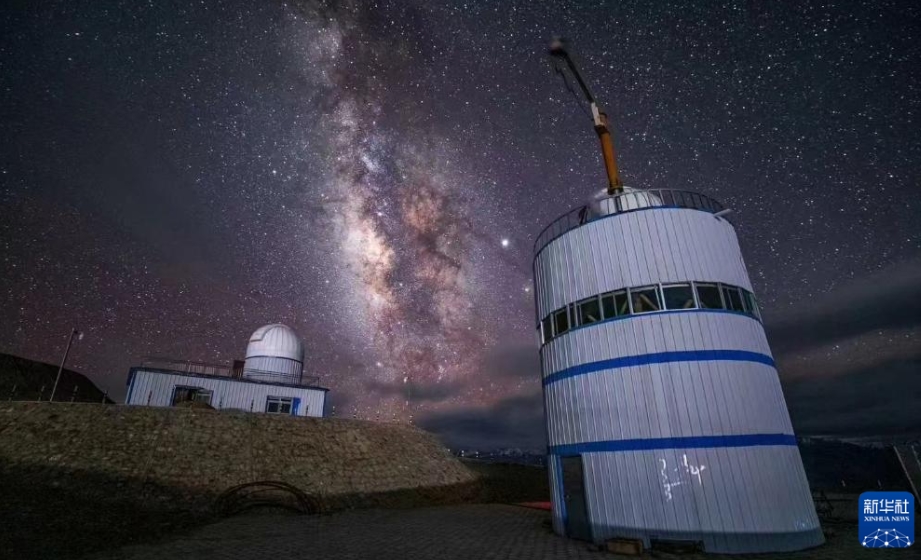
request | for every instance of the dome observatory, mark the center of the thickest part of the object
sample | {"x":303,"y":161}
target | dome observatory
{"x":270,"y":380}
{"x":274,"y":353}
{"x":664,"y":414}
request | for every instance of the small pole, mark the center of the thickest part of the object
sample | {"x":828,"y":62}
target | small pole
{"x":41,"y":393}
{"x":73,"y":333}
{"x":74,"y":394}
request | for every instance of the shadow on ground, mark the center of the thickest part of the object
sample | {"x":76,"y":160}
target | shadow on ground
{"x":507,"y":483}
{"x":50,"y":512}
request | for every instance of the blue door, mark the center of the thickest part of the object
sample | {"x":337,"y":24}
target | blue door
{"x":577,"y":525}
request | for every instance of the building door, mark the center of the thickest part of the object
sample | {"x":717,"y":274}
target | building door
{"x":577,"y":525}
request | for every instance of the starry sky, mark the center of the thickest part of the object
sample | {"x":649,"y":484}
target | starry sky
{"x":373,"y":174}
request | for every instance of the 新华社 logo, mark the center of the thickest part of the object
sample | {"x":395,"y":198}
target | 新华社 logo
{"x":887,"y":519}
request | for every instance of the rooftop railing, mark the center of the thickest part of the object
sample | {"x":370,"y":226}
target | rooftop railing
{"x":622,"y":203}
{"x":220,"y":370}
{"x":186,"y":366}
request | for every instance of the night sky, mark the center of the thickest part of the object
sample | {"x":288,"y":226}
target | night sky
{"x":374,"y":175}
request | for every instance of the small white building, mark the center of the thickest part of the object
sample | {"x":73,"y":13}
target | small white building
{"x":271,"y":379}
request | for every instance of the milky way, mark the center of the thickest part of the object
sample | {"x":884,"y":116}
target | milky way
{"x":374,"y":175}
{"x":402,"y":231}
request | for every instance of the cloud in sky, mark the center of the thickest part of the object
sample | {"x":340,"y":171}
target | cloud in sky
{"x":878,"y":400}
{"x":512,"y":422}
{"x":890,"y":299}
{"x":849,"y":361}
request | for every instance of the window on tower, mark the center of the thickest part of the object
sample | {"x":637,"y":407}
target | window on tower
{"x":608,"y":306}
{"x":645,"y":299}
{"x":751,"y":305}
{"x":589,"y":311}
{"x":547,"y":328}
{"x":678,"y":296}
{"x":733,"y":298}
{"x":622,"y":303}
{"x":685,"y":296}
{"x":560,"y":322}
{"x":614,"y":304}
{"x":709,"y":296}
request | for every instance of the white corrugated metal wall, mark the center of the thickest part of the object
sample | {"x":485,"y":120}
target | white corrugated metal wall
{"x":273,"y":369}
{"x":155,"y":388}
{"x":678,"y":416}
{"x":637,"y":248}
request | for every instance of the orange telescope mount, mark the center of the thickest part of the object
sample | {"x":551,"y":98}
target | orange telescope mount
{"x":599,"y":117}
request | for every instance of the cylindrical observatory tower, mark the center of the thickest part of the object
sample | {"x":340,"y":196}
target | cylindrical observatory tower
{"x":665,"y":416}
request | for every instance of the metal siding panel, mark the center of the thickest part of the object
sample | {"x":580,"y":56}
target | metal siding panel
{"x":143,"y":389}
{"x":138,"y":384}
{"x":725,"y":501}
{"x":226,"y":393}
{"x":663,"y":245}
{"x":634,"y":274}
{"x":271,"y":368}
{"x":668,"y":261}
{"x":138,"y":396}
{"x":147,"y":393}
{"x":557,"y":498}
{"x":639,"y":410}
{"x":708,"y":255}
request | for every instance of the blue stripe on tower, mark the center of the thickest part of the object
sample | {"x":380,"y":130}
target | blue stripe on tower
{"x":692,"y":442}
{"x":661,"y":358}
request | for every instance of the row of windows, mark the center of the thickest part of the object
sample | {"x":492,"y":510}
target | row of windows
{"x":648,"y":299}
{"x":273,"y":405}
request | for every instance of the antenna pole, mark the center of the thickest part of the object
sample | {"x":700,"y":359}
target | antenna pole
{"x":599,"y":118}
{"x":70,"y":342}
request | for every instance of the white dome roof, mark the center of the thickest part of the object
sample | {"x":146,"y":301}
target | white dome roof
{"x":276,"y":341}
{"x":630,"y":199}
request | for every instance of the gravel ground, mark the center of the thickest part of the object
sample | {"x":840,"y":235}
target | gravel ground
{"x":465,"y":532}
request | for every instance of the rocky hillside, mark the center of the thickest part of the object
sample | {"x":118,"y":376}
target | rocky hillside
{"x":207,"y":451}
{"x":94,"y":473}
